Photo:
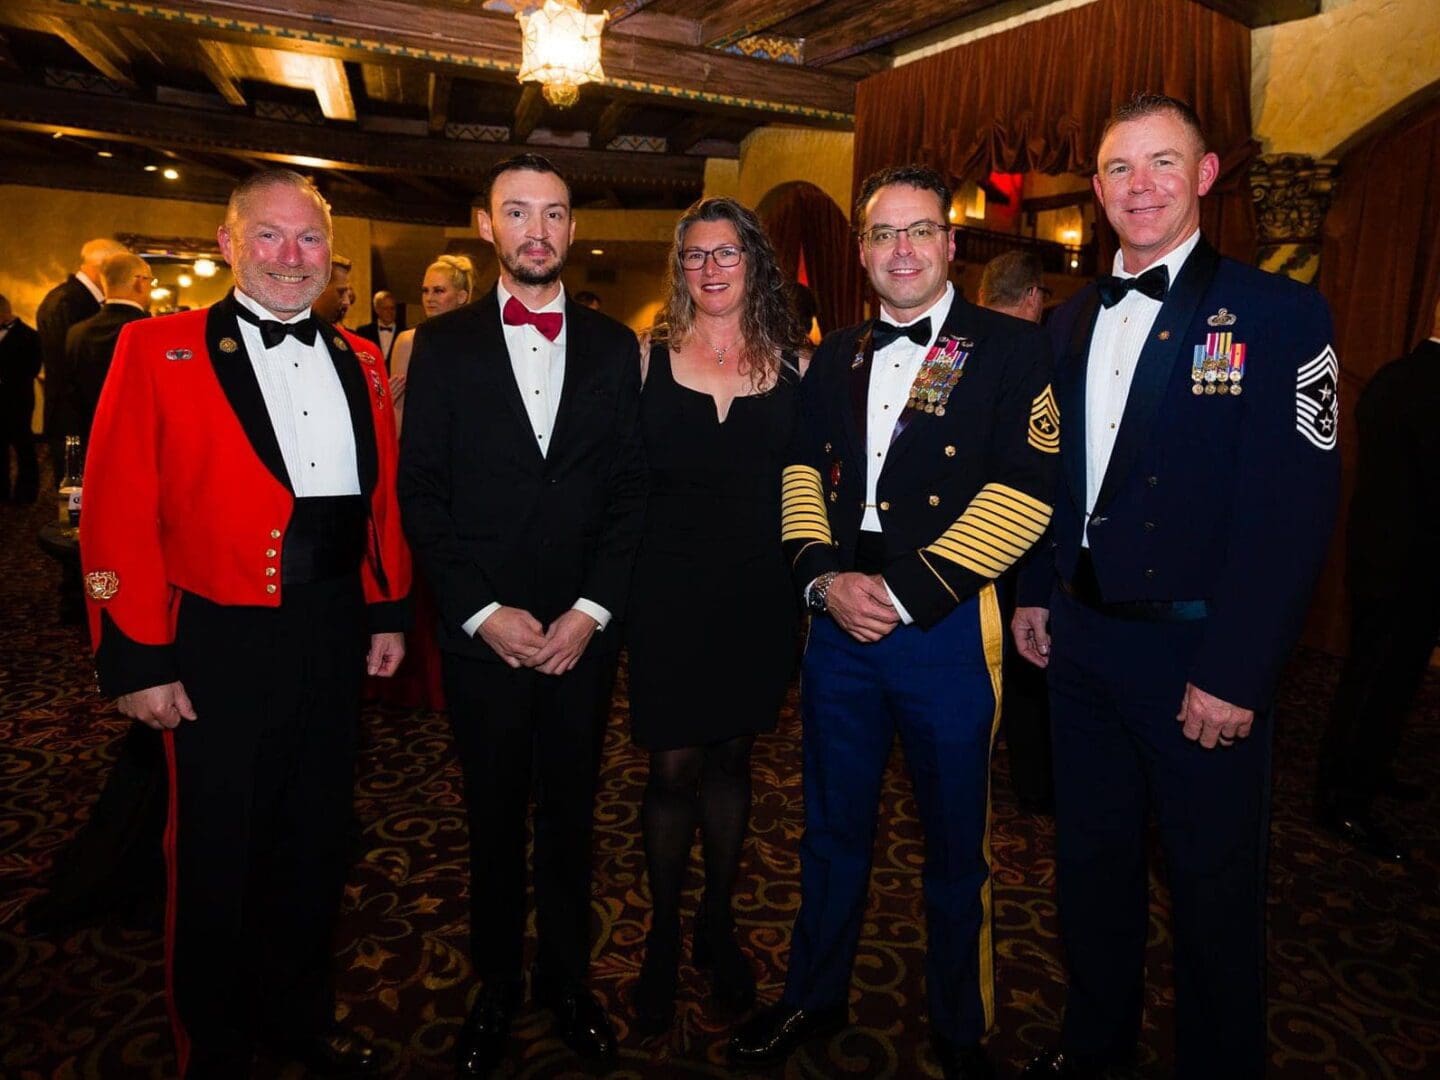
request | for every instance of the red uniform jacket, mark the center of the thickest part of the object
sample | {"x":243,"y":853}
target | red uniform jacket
{"x":186,"y":488}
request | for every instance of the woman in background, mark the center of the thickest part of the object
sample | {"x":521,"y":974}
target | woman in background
{"x":448,"y":283}
{"x":713,"y":615}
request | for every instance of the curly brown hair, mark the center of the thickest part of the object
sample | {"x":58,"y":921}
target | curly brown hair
{"x":768,"y":325}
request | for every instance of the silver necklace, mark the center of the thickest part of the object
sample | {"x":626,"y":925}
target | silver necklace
{"x":719,"y":352}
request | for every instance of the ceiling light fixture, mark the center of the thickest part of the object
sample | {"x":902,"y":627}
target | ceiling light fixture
{"x":204,"y":267}
{"x":103,"y":153}
{"x":171,"y":174}
{"x":152,"y":168}
{"x":560,"y":49}
{"x":597,"y":251}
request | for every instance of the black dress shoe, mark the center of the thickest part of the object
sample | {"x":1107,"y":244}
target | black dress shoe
{"x":1058,"y":1065}
{"x":481,"y":1045}
{"x":584,"y":1027}
{"x":715,"y":950}
{"x":337,"y":1052}
{"x":773,"y":1034}
{"x":962,"y":1061}
{"x":1363,"y":832}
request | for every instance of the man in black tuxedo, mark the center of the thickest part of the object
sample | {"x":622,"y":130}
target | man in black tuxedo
{"x":522,"y":484}
{"x":19,"y":364}
{"x":385,"y":327}
{"x":90,"y":343}
{"x":77,"y":297}
{"x":1394,"y":586}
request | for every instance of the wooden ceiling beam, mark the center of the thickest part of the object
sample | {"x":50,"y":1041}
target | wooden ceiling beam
{"x":437,"y":102}
{"x":527,"y":112}
{"x":8,"y":63}
{"x":39,"y":109}
{"x":332,"y":90}
{"x":738,"y":19}
{"x":880,"y":25}
{"x":216,"y":64}
{"x":98,"y":49}
{"x":475,"y":44}
{"x":623,"y":9}
{"x":690,"y":131}
{"x":608,"y":125}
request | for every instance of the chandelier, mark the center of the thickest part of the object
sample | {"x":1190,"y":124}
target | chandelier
{"x":560,"y":49}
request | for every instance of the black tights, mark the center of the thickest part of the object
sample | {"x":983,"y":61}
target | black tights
{"x":714,"y":781}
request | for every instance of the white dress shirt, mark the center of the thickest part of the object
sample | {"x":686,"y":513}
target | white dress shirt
{"x":1115,"y":347}
{"x":386,"y":334}
{"x":307,"y":407}
{"x":539,"y":367}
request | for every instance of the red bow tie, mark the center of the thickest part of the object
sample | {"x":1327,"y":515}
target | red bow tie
{"x":547,"y":322}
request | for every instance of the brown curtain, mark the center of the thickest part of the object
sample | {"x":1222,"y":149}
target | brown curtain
{"x":801,"y":218}
{"x":1380,"y":273}
{"x":1034,"y":99}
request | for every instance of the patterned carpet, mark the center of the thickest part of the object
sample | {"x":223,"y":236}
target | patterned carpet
{"x":1354,"y":945}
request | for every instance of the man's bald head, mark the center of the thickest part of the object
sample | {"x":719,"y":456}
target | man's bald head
{"x":95,"y":252}
{"x":126,"y":277}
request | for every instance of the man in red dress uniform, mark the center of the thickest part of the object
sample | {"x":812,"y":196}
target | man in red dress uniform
{"x":244,"y":567}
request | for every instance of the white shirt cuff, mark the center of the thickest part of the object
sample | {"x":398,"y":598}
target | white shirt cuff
{"x":474,"y":622}
{"x":899,"y":607}
{"x":594,"y":610}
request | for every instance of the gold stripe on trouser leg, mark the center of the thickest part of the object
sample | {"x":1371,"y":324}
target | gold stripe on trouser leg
{"x":992,"y":634}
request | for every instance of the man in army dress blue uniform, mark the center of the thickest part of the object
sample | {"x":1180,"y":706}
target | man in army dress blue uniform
{"x":921,"y":472}
{"x":1197,"y":495}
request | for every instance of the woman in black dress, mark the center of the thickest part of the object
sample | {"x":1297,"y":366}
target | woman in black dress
{"x":713,"y":614}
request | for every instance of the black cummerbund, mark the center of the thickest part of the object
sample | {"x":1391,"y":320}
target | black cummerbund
{"x":870,"y":553}
{"x":325,"y":540}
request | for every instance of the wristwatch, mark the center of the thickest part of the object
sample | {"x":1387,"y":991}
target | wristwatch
{"x":819,"y":592}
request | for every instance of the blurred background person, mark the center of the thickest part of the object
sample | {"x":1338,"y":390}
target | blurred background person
{"x":334,"y":303}
{"x":419,"y":684}
{"x":385,"y":326}
{"x":90,"y":343}
{"x":19,"y":366}
{"x":807,"y":312}
{"x":714,"y":619}
{"x":77,"y":297}
{"x":1015,"y":284}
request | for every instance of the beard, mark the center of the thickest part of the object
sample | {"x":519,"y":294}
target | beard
{"x":528,"y":274}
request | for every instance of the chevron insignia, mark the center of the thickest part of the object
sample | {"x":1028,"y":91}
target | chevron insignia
{"x":1317,"y":405}
{"x":1045,"y":422}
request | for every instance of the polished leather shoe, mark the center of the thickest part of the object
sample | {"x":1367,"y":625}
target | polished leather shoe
{"x":961,"y":1061}
{"x":1057,"y":1065}
{"x":337,"y":1052}
{"x":773,"y":1034}
{"x":481,"y":1045}
{"x":584,"y":1027}
{"x":1363,"y":832}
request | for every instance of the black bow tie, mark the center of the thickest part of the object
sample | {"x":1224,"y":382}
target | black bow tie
{"x":884,"y":333}
{"x":1154,"y":283}
{"x":272,"y":332}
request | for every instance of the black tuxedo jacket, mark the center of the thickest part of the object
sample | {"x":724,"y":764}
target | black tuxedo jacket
{"x":89,"y":346}
{"x":1394,"y":530}
{"x":19,"y":364}
{"x":64,"y":306}
{"x":488,"y":517}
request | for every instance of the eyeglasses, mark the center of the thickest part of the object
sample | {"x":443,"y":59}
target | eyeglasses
{"x":921,"y":232}
{"x":725,"y":256}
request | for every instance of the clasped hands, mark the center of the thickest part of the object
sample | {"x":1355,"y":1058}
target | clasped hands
{"x":1205,"y":718}
{"x":518,"y":638}
{"x":861,"y":605}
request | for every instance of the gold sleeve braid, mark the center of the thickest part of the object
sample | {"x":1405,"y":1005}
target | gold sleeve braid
{"x":802,"y":505}
{"x":998,"y":526}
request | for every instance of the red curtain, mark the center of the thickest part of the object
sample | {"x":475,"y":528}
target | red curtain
{"x":1380,"y":273}
{"x":807,"y":227}
{"x":1034,"y":99}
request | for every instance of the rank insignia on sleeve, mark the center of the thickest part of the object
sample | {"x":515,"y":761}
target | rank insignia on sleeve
{"x":1221,"y":318}
{"x":1317,"y":402}
{"x":102,"y":584}
{"x":178,"y":354}
{"x":1044,"y":432}
{"x":229,"y":345}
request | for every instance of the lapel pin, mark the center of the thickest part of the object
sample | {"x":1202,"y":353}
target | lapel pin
{"x":178,"y":354}
{"x":340,"y":343}
{"x":229,"y":345}
{"x":1164,"y":335}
